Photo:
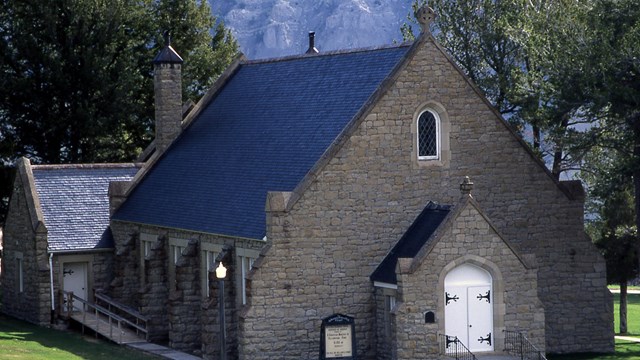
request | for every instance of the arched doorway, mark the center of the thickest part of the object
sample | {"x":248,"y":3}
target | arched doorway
{"x":469,"y":306}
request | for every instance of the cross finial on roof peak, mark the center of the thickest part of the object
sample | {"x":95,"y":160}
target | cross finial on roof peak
{"x":425,"y":16}
{"x":466,"y":186}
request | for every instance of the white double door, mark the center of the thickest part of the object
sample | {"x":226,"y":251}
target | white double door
{"x":469,"y":308}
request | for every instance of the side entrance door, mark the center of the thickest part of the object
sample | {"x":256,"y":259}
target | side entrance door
{"x":468,"y":307}
{"x":75,"y":279}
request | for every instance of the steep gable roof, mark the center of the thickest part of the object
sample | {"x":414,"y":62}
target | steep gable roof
{"x":425,"y":232}
{"x":75,"y":203}
{"x":263,"y":131}
{"x":411,"y":242}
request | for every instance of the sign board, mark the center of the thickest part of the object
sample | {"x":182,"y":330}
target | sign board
{"x":338,"y":338}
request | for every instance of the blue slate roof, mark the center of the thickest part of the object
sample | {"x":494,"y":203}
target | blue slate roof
{"x":263,"y":131}
{"x":411,"y":242}
{"x":75,"y":203}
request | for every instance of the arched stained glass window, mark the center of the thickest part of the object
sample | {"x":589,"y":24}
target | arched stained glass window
{"x":428,"y":135}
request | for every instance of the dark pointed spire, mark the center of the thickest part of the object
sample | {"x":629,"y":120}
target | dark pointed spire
{"x":167,"y":55}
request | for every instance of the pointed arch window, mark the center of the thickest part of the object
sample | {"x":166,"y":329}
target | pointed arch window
{"x":428,"y":135}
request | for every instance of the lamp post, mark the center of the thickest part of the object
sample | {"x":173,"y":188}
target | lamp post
{"x":221,"y":273}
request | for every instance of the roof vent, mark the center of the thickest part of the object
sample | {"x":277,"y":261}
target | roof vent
{"x":312,"y":48}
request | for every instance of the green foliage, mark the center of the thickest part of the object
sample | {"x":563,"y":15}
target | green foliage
{"x":617,"y":237}
{"x":613,"y":102}
{"x":76,"y":75}
{"x":525,"y":56}
{"x":407,"y":28}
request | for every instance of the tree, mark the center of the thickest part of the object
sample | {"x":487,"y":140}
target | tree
{"x":76,"y":75}
{"x":614,"y":99}
{"x":527,"y":58}
{"x":611,"y":224}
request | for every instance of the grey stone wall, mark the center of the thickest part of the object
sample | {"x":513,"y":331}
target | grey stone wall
{"x":25,"y":237}
{"x":360,"y":202}
{"x":179,"y":313}
{"x":185,"y":303}
{"x":102,"y":270}
{"x":168,"y":103}
{"x":385,"y":323}
{"x":153,"y":293}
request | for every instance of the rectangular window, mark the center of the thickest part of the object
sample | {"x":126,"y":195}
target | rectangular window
{"x":246,"y":257}
{"x":176,"y":247}
{"x":208,"y":261}
{"x":246,"y":265}
{"x":146,"y":242}
{"x":389,"y":304}
{"x":176,"y":252}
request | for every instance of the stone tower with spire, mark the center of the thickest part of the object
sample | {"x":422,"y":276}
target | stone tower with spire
{"x":167,"y":80}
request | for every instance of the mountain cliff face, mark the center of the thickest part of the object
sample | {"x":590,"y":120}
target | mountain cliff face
{"x":272,"y":28}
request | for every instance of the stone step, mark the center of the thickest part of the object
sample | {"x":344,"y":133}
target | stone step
{"x":495,"y":356}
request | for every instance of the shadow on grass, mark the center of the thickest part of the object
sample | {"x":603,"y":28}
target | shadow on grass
{"x":27,"y":341}
{"x":624,"y":350}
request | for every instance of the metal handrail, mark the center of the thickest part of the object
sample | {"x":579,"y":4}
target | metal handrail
{"x":70,"y":297}
{"x":452,"y":346}
{"x":517,"y":344}
{"x":124,"y":308}
{"x":141,"y":320}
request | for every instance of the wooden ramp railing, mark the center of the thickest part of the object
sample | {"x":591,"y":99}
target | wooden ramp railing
{"x":103,"y":321}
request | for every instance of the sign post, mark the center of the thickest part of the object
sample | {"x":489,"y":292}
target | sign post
{"x":338,"y":338}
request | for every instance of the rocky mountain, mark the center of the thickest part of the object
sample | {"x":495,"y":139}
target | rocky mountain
{"x":272,"y":28}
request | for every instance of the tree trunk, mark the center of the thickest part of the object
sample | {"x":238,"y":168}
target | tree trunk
{"x":636,"y":185}
{"x":537,"y":136}
{"x":558,"y":152}
{"x":623,"y":307}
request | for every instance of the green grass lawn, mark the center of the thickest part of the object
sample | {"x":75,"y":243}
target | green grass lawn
{"x":625,"y":350}
{"x":633,"y":314}
{"x":21,"y":340}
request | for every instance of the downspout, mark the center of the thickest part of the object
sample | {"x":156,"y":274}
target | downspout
{"x":53,"y":305}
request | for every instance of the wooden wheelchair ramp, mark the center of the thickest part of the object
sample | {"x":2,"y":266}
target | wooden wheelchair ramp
{"x":106,"y":317}
{"x":105,"y":326}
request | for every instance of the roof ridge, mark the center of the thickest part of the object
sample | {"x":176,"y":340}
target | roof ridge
{"x":86,"y":166}
{"x":327,"y":53}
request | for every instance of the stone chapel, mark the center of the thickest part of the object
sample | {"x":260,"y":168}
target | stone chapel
{"x":375,"y":184}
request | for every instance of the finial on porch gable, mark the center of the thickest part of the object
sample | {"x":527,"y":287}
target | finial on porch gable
{"x":466,"y":186}
{"x":425,"y":16}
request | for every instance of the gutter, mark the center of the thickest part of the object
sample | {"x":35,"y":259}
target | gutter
{"x":53,"y":305}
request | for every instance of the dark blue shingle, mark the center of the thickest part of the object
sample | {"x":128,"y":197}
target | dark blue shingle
{"x":262,"y":132}
{"x":411,"y":242}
